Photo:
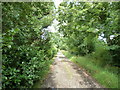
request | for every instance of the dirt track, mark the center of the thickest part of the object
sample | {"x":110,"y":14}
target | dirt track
{"x":65,"y":74}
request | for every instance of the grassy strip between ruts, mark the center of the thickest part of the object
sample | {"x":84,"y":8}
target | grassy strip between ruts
{"x":102,"y":75}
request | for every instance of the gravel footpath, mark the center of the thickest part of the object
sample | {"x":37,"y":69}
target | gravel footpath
{"x":66,"y":74}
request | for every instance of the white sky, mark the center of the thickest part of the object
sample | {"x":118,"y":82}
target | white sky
{"x":57,"y":2}
{"x":53,"y":27}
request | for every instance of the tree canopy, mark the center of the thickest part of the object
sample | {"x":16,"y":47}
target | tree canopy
{"x":92,"y":29}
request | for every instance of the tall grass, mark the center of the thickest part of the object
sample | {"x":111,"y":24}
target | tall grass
{"x":102,"y":75}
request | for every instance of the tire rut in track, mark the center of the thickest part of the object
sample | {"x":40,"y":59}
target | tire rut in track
{"x":66,"y":74}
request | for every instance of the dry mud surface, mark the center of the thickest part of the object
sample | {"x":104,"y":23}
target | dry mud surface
{"x":66,"y":74}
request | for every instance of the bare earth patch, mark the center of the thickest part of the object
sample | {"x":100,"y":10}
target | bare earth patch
{"x":66,"y":74}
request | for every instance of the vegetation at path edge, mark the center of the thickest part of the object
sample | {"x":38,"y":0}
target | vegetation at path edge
{"x":104,"y":76}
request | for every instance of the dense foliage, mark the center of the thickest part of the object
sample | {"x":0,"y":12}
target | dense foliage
{"x":92,"y":29}
{"x":88,"y":29}
{"x":27,"y":47}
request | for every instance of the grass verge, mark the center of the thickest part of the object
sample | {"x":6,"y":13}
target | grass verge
{"x":102,"y":75}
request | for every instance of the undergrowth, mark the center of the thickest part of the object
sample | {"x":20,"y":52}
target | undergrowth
{"x":103,"y":75}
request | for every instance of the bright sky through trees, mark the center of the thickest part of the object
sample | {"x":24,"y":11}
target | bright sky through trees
{"x":53,"y":27}
{"x":57,"y":2}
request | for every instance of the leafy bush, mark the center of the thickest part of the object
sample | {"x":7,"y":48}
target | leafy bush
{"x":27,"y":48}
{"x":91,"y":29}
{"x":102,"y":54}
